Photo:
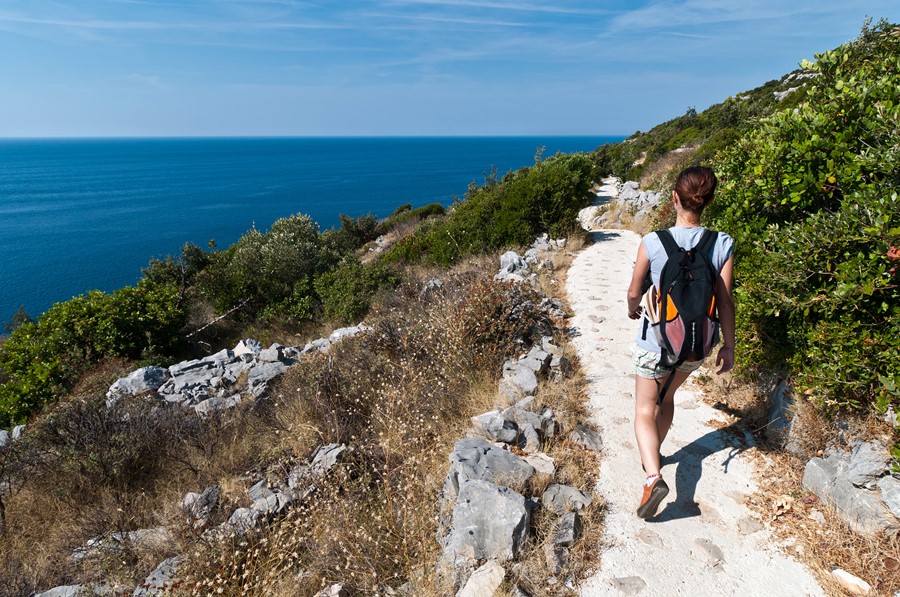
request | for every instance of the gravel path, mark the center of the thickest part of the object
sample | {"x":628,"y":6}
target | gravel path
{"x":704,"y":540}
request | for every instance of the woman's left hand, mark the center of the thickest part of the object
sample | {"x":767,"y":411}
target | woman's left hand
{"x":725,"y":358}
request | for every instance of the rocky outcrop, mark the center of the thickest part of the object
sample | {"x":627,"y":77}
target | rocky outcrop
{"x":616,"y":198}
{"x":863,"y":509}
{"x":221,"y":380}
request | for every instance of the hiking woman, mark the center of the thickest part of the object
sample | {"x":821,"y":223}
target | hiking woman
{"x":656,"y":382}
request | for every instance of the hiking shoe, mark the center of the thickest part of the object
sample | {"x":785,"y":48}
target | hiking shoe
{"x":653,"y":495}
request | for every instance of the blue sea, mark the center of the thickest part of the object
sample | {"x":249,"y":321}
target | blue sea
{"x":77,"y":215}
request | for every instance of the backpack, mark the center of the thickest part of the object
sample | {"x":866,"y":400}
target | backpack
{"x":686,"y":325}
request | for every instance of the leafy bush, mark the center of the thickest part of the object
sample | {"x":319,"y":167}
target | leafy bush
{"x":543,"y":197}
{"x":41,"y":361}
{"x":347,"y":291}
{"x":811,"y":198}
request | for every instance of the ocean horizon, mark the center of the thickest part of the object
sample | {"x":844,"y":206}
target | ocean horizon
{"x":78,"y":214}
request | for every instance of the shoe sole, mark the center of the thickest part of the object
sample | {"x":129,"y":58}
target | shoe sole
{"x":648,"y":508}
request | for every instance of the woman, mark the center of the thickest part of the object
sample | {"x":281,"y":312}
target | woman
{"x":694,"y":190}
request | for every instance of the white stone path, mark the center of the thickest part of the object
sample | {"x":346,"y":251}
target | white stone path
{"x":703,"y":540}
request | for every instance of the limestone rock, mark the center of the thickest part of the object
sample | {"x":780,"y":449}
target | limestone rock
{"x":4,"y":437}
{"x":484,"y":582}
{"x":335,"y":590}
{"x":542,"y":463}
{"x":489,"y":522}
{"x":868,"y":461}
{"x":890,"y":493}
{"x":560,"y":499}
{"x":142,"y":380}
{"x":518,"y":381}
{"x":861,"y":509}
{"x":852,"y":584}
{"x":567,"y":529}
{"x":247,"y":346}
{"x":200,"y":506}
{"x":474,"y":458}
{"x":496,"y":428}
{"x":161,"y":579}
{"x":556,"y":557}
{"x":587,"y":438}
{"x":529,"y":440}
{"x":63,"y":591}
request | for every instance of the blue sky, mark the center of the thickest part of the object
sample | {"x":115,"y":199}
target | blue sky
{"x":395,"y":67}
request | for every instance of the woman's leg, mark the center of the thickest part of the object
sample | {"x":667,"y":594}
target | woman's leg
{"x":652,"y":422}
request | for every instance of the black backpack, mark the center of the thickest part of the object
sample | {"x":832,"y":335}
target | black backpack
{"x":687,"y":326}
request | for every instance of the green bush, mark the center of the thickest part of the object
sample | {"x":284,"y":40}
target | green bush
{"x":347,"y":292}
{"x":41,"y":361}
{"x":811,"y":198}
{"x":543,"y":197}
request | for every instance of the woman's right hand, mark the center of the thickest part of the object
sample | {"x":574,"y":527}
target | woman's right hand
{"x":636,"y":314}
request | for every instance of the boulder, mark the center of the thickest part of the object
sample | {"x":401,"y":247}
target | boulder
{"x":476,"y":459}
{"x":430,"y":288}
{"x":495,"y":427}
{"x":243,"y":520}
{"x":161,"y":579}
{"x":868,"y":461}
{"x":64,"y":591}
{"x":17,"y":432}
{"x":567,"y":529}
{"x":537,"y":359}
{"x":145,"y":379}
{"x":200,"y":506}
{"x":247,"y":346}
{"x":484,"y":582}
{"x":529,"y":440}
{"x":517,"y":382}
{"x":542,"y":243}
{"x":489,"y":522}
{"x":273,"y":354}
{"x":890,"y":493}
{"x":531,"y":256}
{"x":542,"y":463}
{"x":861,"y":509}
{"x":4,"y":437}
{"x":587,"y":438}
{"x":850,"y":583}
{"x":560,"y":499}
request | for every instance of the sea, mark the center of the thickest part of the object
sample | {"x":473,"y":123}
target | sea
{"x":84,"y":214}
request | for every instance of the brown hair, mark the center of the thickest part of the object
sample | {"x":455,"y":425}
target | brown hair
{"x":695,"y":187}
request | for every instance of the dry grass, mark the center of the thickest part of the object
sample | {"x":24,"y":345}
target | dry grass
{"x":399,"y":397}
{"x":811,"y":530}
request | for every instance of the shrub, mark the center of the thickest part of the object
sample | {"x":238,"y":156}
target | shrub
{"x":811,"y":198}
{"x":347,"y":291}
{"x":40,"y":361}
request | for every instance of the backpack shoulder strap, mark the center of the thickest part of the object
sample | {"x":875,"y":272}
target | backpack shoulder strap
{"x":705,"y":246}
{"x":668,"y":242}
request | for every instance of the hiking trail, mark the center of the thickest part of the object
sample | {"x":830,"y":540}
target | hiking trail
{"x":703,"y":540}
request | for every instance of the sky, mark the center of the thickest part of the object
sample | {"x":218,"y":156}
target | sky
{"x":98,"y":68}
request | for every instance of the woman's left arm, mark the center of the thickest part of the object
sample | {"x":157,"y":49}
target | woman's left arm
{"x":725,"y":306}
{"x":641,"y":267}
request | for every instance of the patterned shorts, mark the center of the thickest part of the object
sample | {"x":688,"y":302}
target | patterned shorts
{"x":646,"y":364}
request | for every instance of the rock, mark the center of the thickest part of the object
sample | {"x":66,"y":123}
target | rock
{"x":273,"y":354}
{"x":537,"y":359}
{"x":709,"y":553}
{"x":852,"y":584}
{"x":531,"y":256}
{"x":542,"y":463}
{"x":779,"y":414}
{"x":517,"y":382}
{"x":161,"y":579}
{"x":243,"y":520}
{"x":748,"y":525}
{"x":430,"y":288}
{"x":484,"y":582}
{"x":521,"y":416}
{"x":17,"y":432}
{"x":542,"y":243}
{"x":302,"y":477}
{"x":587,"y":438}
{"x":247,"y":346}
{"x":335,"y":590}
{"x":512,"y":267}
{"x":113,"y":543}
{"x":560,"y":499}
{"x":496,"y":428}
{"x":64,"y":591}
{"x":211,"y":405}
{"x":326,"y":457}
{"x":145,"y":379}
{"x":817,"y":516}
{"x":476,"y":459}
{"x":489,"y":522}
{"x":321,"y":345}
{"x":200,"y":506}
{"x":868,"y":461}
{"x":567,"y":529}
{"x":4,"y":437}
{"x":861,"y":509}
{"x":629,"y":585}
{"x":348,"y":332}
{"x":890,"y":493}
{"x":556,"y":557}
{"x":529,"y":440}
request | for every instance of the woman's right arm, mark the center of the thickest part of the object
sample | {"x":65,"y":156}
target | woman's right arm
{"x":641,"y":267}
